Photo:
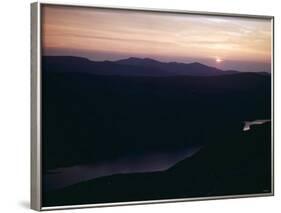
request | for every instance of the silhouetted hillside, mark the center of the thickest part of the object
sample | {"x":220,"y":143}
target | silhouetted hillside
{"x":84,"y":114}
{"x":239,"y":163}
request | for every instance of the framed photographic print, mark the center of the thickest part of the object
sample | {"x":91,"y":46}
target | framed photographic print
{"x":133,"y":106}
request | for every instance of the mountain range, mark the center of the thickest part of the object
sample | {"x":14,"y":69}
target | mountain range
{"x":131,"y":67}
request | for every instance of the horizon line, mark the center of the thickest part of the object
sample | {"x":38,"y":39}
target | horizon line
{"x":156,"y":60}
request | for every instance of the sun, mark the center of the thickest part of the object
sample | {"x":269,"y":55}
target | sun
{"x":219,"y":60}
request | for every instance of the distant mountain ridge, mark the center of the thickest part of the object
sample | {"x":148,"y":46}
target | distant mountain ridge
{"x":194,"y":68}
{"x":130,"y":67}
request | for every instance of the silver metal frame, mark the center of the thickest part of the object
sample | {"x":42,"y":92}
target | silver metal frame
{"x":36,"y":150}
{"x":35,"y":107}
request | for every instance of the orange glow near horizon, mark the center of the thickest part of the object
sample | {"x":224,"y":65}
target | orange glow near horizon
{"x":151,"y":34}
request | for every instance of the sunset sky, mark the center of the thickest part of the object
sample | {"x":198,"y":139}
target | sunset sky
{"x":104,"y":34}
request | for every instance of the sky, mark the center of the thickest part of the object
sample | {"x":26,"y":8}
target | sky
{"x":228,"y":43}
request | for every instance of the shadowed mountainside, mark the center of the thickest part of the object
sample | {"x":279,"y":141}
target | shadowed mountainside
{"x":89,"y":117}
{"x":85,"y":113}
{"x":237,"y":164}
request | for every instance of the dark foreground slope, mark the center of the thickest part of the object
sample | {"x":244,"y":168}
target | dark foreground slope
{"x":236,"y":164}
{"x":89,"y":118}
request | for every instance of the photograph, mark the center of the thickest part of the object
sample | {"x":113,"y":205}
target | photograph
{"x":146,"y":106}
